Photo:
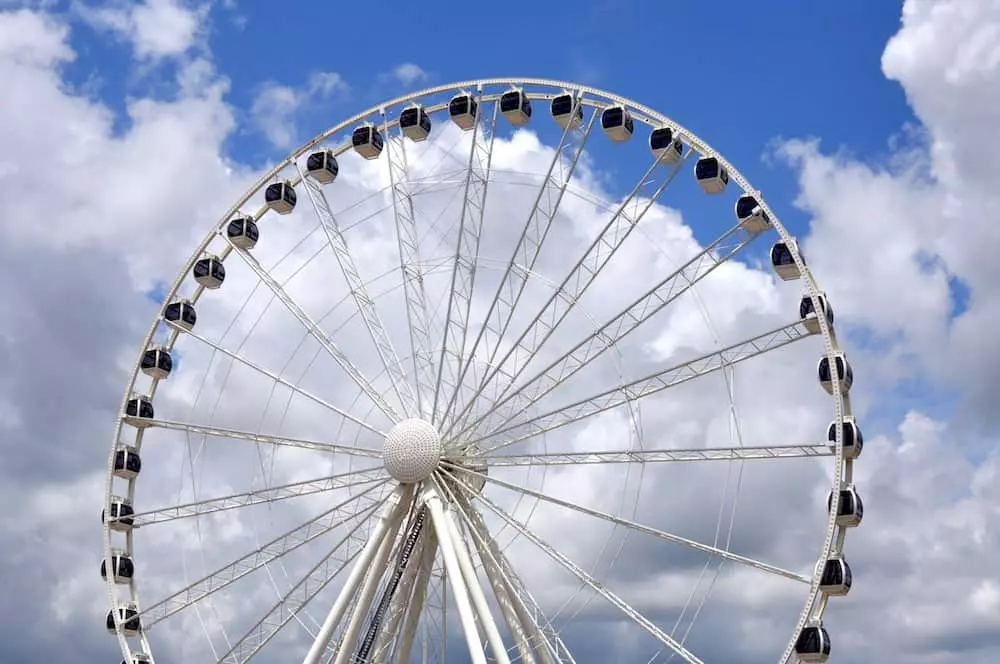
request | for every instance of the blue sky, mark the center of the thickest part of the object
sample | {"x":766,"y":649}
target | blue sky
{"x":741,"y":75}
{"x":895,"y":204}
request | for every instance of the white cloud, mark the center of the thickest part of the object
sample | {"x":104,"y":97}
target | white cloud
{"x":77,"y":254}
{"x":33,"y":39}
{"x":275,"y":105}
{"x":156,"y":29}
{"x":409,"y":73}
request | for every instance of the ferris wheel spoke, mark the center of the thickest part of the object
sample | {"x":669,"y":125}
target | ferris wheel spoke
{"x":644,"y":387}
{"x":295,"y":600}
{"x":281,"y":381}
{"x":365,"y":304}
{"x":532,"y":630}
{"x":636,"y":314}
{"x":463,"y":276}
{"x":370,"y":561}
{"x":646,"y":530}
{"x":313,"y":329}
{"x":461,"y":591}
{"x":402,"y":556}
{"x":364,"y":601}
{"x":411,"y":267}
{"x":270,"y":439}
{"x":358,"y":506}
{"x":414,"y":610}
{"x":808,"y":450}
{"x":528,"y":247}
{"x":480,"y":607}
{"x":612,"y":598}
{"x":586,"y":270}
{"x":266,"y":495}
{"x":391,"y":631}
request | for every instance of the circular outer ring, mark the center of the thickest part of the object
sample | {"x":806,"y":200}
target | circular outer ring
{"x":542,"y":90}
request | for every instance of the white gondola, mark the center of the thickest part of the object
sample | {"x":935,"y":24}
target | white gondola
{"x":120,"y":517}
{"x":280,"y":197}
{"x":751,"y":215}
{"x":462,"y":110}
{"x":367,"y":141}
{"x":322,"y":166}
{"x":711,"y":175}
{"x":180,"y":315}
{"x":128,"y":616}
{"x":516,"y":107}
{"x":122,"y":567}
{"x":845,"y":375}
{"x":854,"y":441}
{"x":139,"y":409}
{"x":415,"y":123}
{"x":566,"y":111}
{"x":209,"y":271}
{"x":813,"y":644}
{"x":242,"y":232}
{"x":127,"y":462}
{"x":783,"y":262}
{"x":850,"y":510}
{"x":666,"y":147}
{"x":156,"y":362}
{"x":835,"y":578}
{"x":617,"y":124}
{"x":807,"y":313}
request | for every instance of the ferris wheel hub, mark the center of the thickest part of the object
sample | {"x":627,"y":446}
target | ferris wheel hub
{"x":412,"y":451}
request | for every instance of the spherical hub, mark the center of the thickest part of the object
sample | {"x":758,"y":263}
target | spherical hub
{"x":412,"y":451}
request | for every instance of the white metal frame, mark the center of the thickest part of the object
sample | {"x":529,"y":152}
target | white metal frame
{"x":439,"y":390}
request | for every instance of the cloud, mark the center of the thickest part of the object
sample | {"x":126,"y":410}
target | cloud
{"x":79,"y":254}
{"x":918,"y":228}
{"x":409,"y":73}
{"x":275,"y":105}
{"x":156,"y":29}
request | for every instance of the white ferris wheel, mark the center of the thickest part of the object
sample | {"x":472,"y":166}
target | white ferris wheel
{"x":401,"y":403}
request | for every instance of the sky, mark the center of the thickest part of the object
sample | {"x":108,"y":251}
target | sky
{"x":873,"y":130}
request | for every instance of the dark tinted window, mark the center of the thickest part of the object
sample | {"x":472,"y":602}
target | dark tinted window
{"x":562,"y":105}
{"x":459,"y":105}
{"x":780,"y":255}
{"x":273,"y":192}
{"x":316,"y":161}
{"x":409,"y":117}
{"x":612,"y":117}
{"x":661,"y":138}
{"x":360,"y":136}
{"x":745,"y":206}
{"x":510,"y":101}
{"x":707,"y":167}
{"x":832,"y":573}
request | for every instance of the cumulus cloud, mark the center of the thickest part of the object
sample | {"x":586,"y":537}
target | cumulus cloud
{"x":73,"y":291}
{"x":155,"y":29}
{"x":409,"y":73}
{"x":275,"y":105}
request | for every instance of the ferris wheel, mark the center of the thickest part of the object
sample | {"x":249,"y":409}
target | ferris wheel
{"x":416,"y":394}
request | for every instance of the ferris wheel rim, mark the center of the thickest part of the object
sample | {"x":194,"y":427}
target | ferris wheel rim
{"x":595,"y":97}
